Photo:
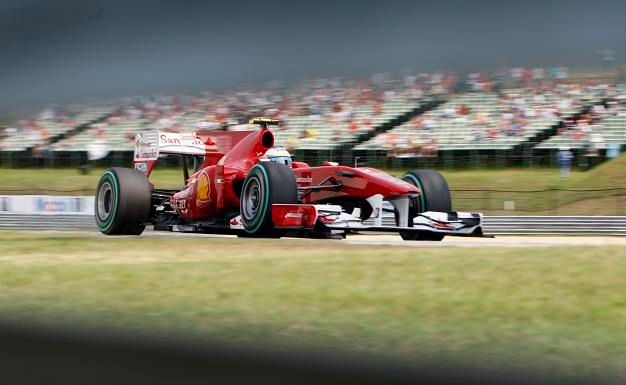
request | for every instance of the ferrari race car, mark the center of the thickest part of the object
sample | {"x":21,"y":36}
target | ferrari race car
{"x":241,"y":184}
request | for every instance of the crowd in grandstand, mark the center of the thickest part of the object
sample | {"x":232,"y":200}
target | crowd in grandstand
{"x":505,"y":115}
{"x":503,"y":108}
{"x":590,"y":130}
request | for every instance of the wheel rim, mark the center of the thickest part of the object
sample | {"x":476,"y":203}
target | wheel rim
{"x":106,"y":200}
{"x":252,"y":198}
{"x":421,"y":199}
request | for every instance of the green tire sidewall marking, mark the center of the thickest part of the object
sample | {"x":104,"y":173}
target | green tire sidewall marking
{"x":422,"y":196}
{"x":266,"y":198}
{"x":111,"y":177}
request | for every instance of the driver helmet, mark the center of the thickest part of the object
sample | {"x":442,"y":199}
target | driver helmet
{"x":278,"y":155}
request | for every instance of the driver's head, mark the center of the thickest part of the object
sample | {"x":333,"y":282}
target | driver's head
{"x":278,"y":155}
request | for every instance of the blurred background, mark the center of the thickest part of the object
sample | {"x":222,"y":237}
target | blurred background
{"x":534,"y":88}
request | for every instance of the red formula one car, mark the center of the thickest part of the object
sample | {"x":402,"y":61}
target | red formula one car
{"x":243,"y":185}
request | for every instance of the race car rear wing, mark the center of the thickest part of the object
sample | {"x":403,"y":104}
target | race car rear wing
{"x":149,"y":144}
{"x":213,"y":145}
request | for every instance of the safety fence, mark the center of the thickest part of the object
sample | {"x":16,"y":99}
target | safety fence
{"x":494,"y":225}
{"x":555,"y":225}
{"x":468,"y":158}
{"x":552,"y":202}
{"x":549,"y":211}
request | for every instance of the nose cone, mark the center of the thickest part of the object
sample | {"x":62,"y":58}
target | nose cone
{"x":389,"y":183}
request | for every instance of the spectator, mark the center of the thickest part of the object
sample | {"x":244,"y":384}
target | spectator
{"x":565,"y":161}
{"x":430,"y":147}
{"x":463,"y":110}
{"x":612,"y":150}
{"x":597,"y":143}
{"x":417,"y":123}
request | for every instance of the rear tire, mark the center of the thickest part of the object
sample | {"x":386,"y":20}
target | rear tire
{"x":267,"y":183}
{"x":435,"y":196}
{"x":122,"y":202}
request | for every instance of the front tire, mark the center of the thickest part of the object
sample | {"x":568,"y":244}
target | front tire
{"x":435,"y":196}
{"x":267,"y":183}
{"x":122,"y":202}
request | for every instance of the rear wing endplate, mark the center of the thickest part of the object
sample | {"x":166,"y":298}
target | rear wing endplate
{"x":149,"y":144}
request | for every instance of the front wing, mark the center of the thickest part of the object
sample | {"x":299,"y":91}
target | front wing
{"x":327,"y":220}
{"x":333,"y":218}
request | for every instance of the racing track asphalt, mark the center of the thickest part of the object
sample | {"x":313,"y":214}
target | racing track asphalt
{"x":395,"y":240}
{"x":461,"y":242}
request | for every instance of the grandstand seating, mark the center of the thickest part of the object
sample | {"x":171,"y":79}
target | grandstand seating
{"x":391,"y":118}
{"x":321,"y":132}
{"x":44,"y":128}
{"x":453,"y":131}
{"x":119,"y":129}
{"x":323,"y":129}
{"x":610,"y":128}
{"x":614,"y":129}
{"x":115,"y":134}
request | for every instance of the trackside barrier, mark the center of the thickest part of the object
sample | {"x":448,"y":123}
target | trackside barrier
{"x":495,"y":225}
{"x":561,"y":225}
{"x":12,"y":221}
{"x":47,"y":204}
{"x":49,"y":212}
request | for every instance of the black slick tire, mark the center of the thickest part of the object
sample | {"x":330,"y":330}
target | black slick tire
{"x":267,"y":183}
{"x":122,"y":202}
{"x":435,"y":196}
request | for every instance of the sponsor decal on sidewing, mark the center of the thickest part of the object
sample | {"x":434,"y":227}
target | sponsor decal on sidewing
{"x":142,"y":166}
{"x":204,"y":188}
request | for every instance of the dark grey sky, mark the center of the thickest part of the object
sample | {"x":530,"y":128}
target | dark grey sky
{"x":62,"y":50}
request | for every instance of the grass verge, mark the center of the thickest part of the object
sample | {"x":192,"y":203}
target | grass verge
{"x":473,"y":190}
{"x":562,"y":308}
